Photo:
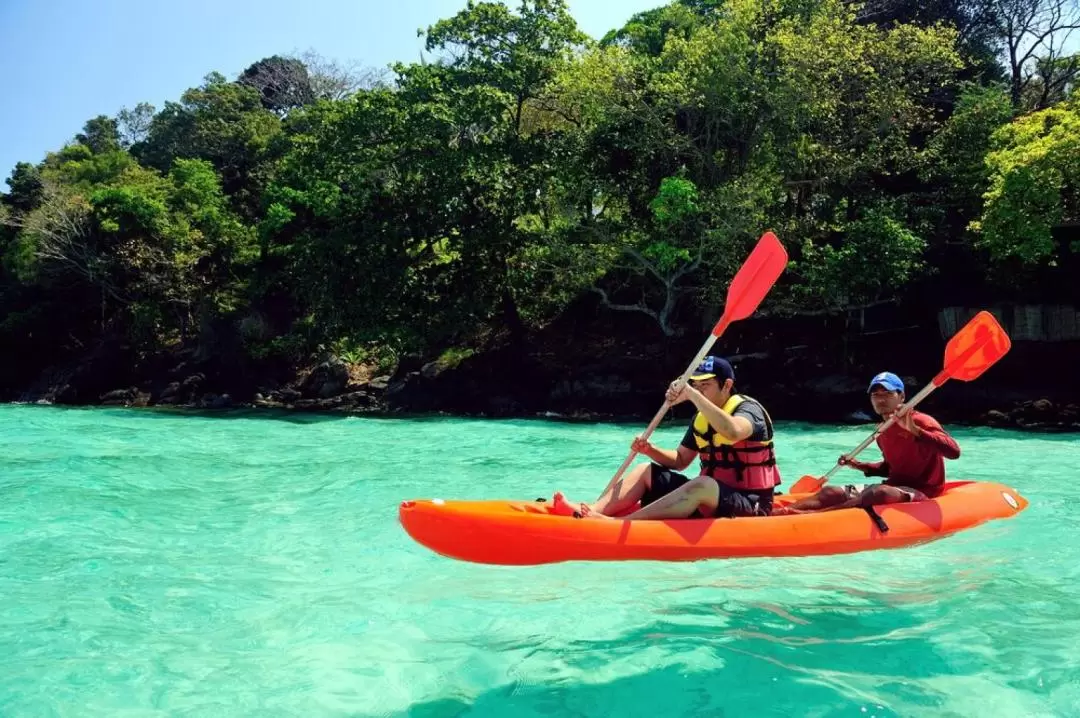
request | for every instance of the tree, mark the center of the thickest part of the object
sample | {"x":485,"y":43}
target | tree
{"x":134,"y":124}
{"x":283,"y":83}
{"x":1035,"y":34}
{"x":648,"y":31}
{"x":100,"y":134}
{"x":497,"y":65}
{"x":56,"y":239}
{"x":786,"y":115}
{"x":221,"y":122}
{"x":974,"y":21}
{"x":24,"y":188}
{"x":1034,"y":185}
{"x":335,"y":80}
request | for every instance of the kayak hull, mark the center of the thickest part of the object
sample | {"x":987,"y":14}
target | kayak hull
{"x":522,"y":533}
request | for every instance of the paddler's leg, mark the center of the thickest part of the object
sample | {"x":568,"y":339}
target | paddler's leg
{"x":700,"y":494}
{"x":645,"y":484}
{"x":878,"y":495}
{"x":622,"y":496}
{"x":626,"y":493}
{"x":828,"y":497}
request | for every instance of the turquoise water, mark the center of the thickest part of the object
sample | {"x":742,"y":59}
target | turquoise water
{"x":154,"y":564}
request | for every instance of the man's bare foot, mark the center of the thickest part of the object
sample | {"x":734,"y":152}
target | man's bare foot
{"x":561,"y":507}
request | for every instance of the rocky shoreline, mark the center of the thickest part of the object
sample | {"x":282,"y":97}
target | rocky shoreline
{"x":591,"y":394}
{"x":586,"y":366}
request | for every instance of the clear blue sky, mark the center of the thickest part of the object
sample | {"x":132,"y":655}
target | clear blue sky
{"x":67,"y":61}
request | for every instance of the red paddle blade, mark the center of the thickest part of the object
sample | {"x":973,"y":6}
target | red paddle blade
{"x":753,"y":280}
{"x":974,"y":349}
{"x":807,"y":485}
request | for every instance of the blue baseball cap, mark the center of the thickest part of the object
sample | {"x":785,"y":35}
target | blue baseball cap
{"x":713,"y":367}
{"x":888,"y":380}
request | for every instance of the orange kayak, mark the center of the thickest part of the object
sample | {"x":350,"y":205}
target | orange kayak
{"x":520,"y":533}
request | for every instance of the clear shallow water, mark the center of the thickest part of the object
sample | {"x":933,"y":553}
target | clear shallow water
{"x":154,"y":564}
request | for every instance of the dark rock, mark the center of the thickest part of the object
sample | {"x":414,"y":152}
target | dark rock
{"x":356,"y":398}
{"x":191,"y":384}
{"x":64,"y":394}
{"x":327,"y":379}
{"x":171,"y":391}
{"x":332,"y":402}
{"x":286,"y":395}
{"x":401,"y":384}
{"x":119,"y":397}
{"x":379,"y":383}
{"x":1043,"y":406}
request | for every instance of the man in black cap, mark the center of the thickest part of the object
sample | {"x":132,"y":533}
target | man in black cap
{"x":731,"y":434}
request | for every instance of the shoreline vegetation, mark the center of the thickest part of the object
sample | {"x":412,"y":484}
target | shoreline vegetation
{"x":532,"y":222}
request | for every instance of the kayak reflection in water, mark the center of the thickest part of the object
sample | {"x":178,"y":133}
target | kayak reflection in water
{"x":731,"y":434}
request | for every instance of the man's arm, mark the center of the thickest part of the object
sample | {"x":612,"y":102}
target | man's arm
{"x":680,"y":458}
{"x":875,"y":468}
{"x":868,"y":468}
{"x":735,"y":427}
{"x":929,"y":431}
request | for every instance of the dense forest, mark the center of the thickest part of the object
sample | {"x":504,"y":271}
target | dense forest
{"x":531,"y":219}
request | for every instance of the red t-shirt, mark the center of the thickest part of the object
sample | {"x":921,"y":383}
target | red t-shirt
{"x":915,"y":462}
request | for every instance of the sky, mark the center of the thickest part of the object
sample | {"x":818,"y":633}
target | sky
{"x":66,"y":61}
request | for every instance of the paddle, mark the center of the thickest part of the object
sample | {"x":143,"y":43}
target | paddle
{"x":969,"y":353}
{"x":750,"y":285}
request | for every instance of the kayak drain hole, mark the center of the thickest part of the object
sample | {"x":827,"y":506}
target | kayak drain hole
{"x":407,"y":504}
{"x":1010,"y":500}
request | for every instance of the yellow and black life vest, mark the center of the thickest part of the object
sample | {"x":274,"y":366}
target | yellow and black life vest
{"x":740,"y":465}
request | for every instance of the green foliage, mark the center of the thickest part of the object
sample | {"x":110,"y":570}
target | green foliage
{"x":526,"y":166}
{"x":875,"y":255}
{"x":453,"y":356}
{"x":647,"y":32}
{"x":24,"y":188}
{"x":1034,"y":168}
{"x":676,"y":202}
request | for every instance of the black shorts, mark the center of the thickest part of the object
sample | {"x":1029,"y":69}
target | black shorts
{"x":733,"y":502}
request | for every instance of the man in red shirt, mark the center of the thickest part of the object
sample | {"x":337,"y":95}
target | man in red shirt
{"x":913,"y":453}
